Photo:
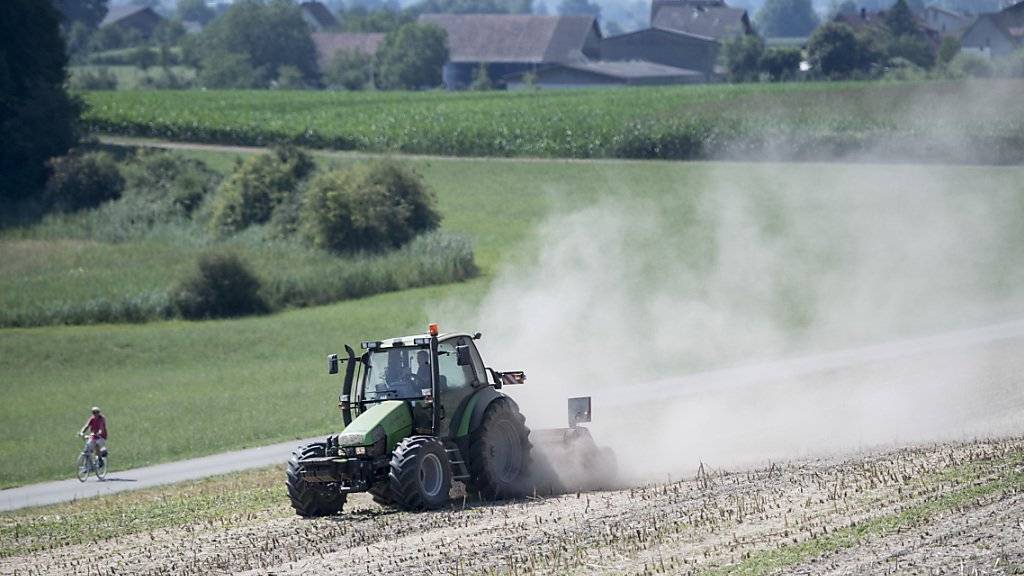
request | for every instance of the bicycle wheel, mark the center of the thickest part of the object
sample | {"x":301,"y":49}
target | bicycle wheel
{"x":101,"y":468}
{"x":84,"y":466}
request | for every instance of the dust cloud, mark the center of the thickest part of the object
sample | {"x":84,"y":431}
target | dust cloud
{"x":771,"y":311}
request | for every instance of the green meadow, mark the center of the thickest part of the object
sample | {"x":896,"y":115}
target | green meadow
{"x":177,"y":389}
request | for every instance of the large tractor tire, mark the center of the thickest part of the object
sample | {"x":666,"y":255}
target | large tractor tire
{"x":308,"y":498}
{"x":421,"y":475}
{"x":499,"y":452}
{"x":381,"y":494}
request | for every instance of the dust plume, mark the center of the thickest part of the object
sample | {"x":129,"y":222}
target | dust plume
{"x":770,"y":311}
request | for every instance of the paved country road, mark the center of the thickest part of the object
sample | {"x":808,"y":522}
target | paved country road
{"x":168,"y":473}
{"x":1006,"y":414}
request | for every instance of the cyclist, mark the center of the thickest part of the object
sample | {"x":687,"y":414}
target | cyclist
{"x":97,"y":426}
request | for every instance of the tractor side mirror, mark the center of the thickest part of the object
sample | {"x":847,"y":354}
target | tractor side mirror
{"x":579,"y":411}
{"x":332,"y":364}
{"x":463,"y":356}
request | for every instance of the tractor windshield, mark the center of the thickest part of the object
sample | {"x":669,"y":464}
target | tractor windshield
{"x":397,"y":373}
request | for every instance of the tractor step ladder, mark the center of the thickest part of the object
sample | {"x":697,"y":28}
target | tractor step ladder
{"x":459,"y":470}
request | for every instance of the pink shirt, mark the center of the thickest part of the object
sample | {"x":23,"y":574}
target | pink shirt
{"x":98,"y":426}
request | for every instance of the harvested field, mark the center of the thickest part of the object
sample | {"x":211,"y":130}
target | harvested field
{"x":937,"y":509}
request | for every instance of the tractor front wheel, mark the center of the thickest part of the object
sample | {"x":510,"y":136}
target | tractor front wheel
{"x":421,"y":475}
{"x":499,"y":452}
{"x":308,"y":498}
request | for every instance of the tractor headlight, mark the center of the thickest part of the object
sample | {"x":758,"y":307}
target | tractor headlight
{"x":361,"y":450}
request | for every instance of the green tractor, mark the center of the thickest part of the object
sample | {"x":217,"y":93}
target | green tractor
{"x":421,"y":412}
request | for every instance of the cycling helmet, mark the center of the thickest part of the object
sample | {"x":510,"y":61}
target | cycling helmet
{"x":95,"y":409}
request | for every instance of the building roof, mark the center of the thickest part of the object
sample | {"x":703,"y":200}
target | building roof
{"x":674,"y":33}
{"x":328,"y":44}
{"x":1009,"y":21}
{"x":117,"y":13}
{"x":320,"y":13}
{"x":716,"y":21}
{"x":629,"y":69}
{"x":513,"y":37}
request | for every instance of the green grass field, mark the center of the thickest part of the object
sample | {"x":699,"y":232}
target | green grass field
{"x":178,"y":389}
{"x":785,"y":121}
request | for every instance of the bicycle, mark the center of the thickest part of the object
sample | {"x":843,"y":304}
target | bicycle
{"x":89,"y":462}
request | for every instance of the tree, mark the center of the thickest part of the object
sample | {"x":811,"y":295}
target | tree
{"x":412,"y":57}
{"x":787,"y":18}
{"x":88,"y":12}
{"x":579,"y":7}
{"x":363,"y":20}
{"x":230,"y":71}
{"x":38,"y":118}
{"x":834,"y":51}
{"x":900,"y":20}
{"x":195,"y":11}
{"x":948,"y":50}
{"x":348,"y":69}
{"x":781,"y":63}
{"x":270,"y":34}
{"x":743,"y":57}
{"x":913,"y":49}
{"x":481,"y":79}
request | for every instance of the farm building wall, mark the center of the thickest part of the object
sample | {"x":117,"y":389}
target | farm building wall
{"x":986,"y":38}
{"x":663,"y":47}
{"x":459,"y":75}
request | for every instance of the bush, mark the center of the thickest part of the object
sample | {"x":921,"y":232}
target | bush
{"x":180,"y":183}
{"x":743,"y":58}
{"x":834,"y":50}
{"x":970,"y":65}
{"x":229,"y":71}
{"x":781,"y":63}
{"x":98,"y":79}
{"x":411,"y":57}
{"x":289,"y":78}
{"x":79,"y":181}
{"x":348,"y":69}
{"x":257,"y":186}
{"x":1012,"y":66}
{"x":368,"y":207}
{"x":220,"y":286}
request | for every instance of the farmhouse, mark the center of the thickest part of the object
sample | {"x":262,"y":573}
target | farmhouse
{"x":665,"y":47}
{"x":945,"y":22}
{"x":140,"y":19}
{"x":567,"y":52}
{"x":703,"y":18}
{"x":509,"y":44}
{"x":996,"y":34}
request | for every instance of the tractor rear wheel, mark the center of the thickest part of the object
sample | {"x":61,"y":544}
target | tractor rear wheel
{"x":421,"y":475}
{"x":381,"y":494}
{"x":309,"y":498}
{"x":499,"y":452}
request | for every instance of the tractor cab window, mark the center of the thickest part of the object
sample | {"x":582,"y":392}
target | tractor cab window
{"x":397,"y":373}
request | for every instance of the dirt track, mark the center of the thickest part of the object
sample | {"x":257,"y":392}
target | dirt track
{"x":953,"y":509}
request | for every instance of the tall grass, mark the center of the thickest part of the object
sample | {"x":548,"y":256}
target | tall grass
{"x":85,"y":282}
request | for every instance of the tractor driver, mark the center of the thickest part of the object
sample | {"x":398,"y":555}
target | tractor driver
{"x":422,"y":370}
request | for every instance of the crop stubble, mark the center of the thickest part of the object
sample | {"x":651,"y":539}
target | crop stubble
{"x":864,"y":514}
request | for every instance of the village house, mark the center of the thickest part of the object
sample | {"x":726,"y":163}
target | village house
{"x":996,"y":34}
{"x":139,"y":19}
{"x":945,"y":22}
{"x":711,"y":19}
